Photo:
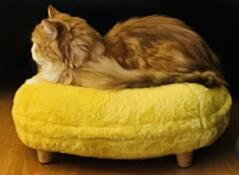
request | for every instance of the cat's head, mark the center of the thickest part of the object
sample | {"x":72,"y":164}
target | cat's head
{"x":63,"y":39}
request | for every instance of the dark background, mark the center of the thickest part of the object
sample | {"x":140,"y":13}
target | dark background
{"x":216,"y":21}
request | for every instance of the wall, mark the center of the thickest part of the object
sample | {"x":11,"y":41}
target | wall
{"x":215,"y":21}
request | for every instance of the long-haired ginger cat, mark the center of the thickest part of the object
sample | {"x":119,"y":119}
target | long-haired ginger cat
{"x":140,"y":52}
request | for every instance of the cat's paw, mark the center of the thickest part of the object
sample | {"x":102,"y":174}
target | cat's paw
{"x":32,"y":81}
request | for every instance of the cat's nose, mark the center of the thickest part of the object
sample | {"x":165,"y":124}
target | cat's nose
{"x":34,"y":53}
{"x":33,"y":49}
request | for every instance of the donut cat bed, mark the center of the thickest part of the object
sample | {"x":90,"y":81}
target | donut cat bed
{"x":120,"y":124}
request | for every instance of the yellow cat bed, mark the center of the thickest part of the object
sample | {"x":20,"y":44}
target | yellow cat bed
{"x":124,"y":124}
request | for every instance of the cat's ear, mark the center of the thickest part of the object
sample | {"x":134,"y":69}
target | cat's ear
{"x":52,"y":11}
{"x":50,"y":28}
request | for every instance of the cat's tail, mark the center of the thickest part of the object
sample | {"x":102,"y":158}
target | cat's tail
{"x":108,"y":74}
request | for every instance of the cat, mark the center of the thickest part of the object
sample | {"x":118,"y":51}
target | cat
{"x":140,"y":52}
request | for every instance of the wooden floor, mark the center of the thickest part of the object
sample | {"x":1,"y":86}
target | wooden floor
{"x":16,"y":159}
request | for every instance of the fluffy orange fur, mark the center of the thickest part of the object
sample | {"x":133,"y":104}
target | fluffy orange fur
{"x":140,"y":52}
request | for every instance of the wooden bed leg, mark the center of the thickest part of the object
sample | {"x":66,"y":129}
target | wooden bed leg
{"x":184,"y":159}
{"x":44,"y":157}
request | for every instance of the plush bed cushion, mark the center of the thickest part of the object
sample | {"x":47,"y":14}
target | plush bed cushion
{"x":120,"y":124}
